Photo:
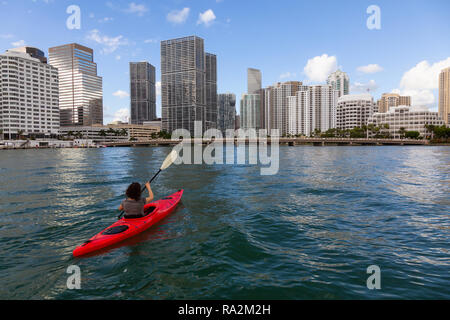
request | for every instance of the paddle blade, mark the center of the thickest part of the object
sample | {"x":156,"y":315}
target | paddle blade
{"x":169,"y":160}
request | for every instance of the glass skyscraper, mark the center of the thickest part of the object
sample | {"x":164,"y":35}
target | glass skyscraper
{"x":188,"y":85}
{"x":80,"y":88}
{"x":142,"y":92}
{"x":226,"y":111}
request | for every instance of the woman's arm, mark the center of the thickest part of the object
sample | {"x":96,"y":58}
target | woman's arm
{"x":150,"y":193}
{"x":121,"y":207}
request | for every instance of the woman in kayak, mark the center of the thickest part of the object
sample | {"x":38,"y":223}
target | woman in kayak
{"x":134,"y":204}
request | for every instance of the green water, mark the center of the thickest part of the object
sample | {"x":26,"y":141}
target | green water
{"x":309,"y":232}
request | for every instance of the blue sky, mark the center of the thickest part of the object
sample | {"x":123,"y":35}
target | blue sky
{"x":285,"y":39}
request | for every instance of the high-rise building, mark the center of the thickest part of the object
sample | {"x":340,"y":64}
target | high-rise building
{"x":406,"y":117}
{"x":324,"y":100}
{"x":188,"y":84}
{"x":80,"y":88}
{"x":354,"y":111}
{"x":254,"y":81}
{"x":142,"y":92}
{"x":444,"y":95}
{"x":250,"y":111}
{"x":28,"y":95}
{"x":311,"y":108}
{"x":276,"y":104}
{"x":301,"y":115}
{"x":211,"y":91}
{"x":390,"y":100}
{"x":339,"y":81}
{"x":226,"y":111}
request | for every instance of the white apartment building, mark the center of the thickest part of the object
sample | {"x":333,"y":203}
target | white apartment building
{"x":312,"y":107}
{"x":354,"y":110}
{"x":409,"y":118}
{"x":301,"y":114}
{"x":323,"y":99}
{"x":29,"y":97}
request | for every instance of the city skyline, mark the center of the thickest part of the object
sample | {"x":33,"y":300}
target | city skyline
{"x":408,"y":67}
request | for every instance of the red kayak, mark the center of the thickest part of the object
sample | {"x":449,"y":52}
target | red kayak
{"x":126,"y":228}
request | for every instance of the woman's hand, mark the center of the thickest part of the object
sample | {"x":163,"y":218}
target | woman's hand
{"x":150,"y":193}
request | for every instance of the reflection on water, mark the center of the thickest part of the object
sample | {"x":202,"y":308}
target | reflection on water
{"x":310,"y":231}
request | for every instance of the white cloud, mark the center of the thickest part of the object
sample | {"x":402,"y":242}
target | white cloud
{"x":364,"y":87}
{"x":158,"y":88}
{"x":420,"y":81}
{"x":139,"y":9}
{"x":370,"y":68}
{"x":423,"y":75}
{"x":6,"y":36}
{"x":121,"y":94}
{"x":122,"y":115}
{"x":19,"y":43}
{"x":150,"y":41}
{"x":319,"y":68}
{"x":206,"y":17}
{"x":178,"y":16}
{"x":287,"y":75}
{"x":118,"y":57}
{"x":110,"y":44}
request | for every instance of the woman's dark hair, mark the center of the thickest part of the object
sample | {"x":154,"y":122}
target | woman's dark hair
{"x":134,"y":191}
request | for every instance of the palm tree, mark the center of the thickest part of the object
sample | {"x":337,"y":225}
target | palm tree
{"x":102,"y":133}
{"x":402,"y":132}
{"x":430,"y":128}
{"x":20,"y":133}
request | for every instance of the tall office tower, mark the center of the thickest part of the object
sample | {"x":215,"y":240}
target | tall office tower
{"x":28,"y":95}
{"x":250,"y":111}
{"x":254,"y":81}
{"x":390,"y":100}
{"x":142,"y":92}
{"x":188,"y":80}
{"x":252,"y":116}
{"x":444,"y":95}
{"x":276,"y":104}
{"x":226,"y":111}
{"x":80,"y":88}
{"x":323,"y":99}
{"x":339,"y":81}
{"x":211,"y":91}
{"x":354,"y":110}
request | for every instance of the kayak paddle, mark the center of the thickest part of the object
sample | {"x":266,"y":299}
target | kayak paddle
{"x":170,"y":159}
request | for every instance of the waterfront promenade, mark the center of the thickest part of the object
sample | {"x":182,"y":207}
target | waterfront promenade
{"x":169,"y":142}
{"x":282,"y":141}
